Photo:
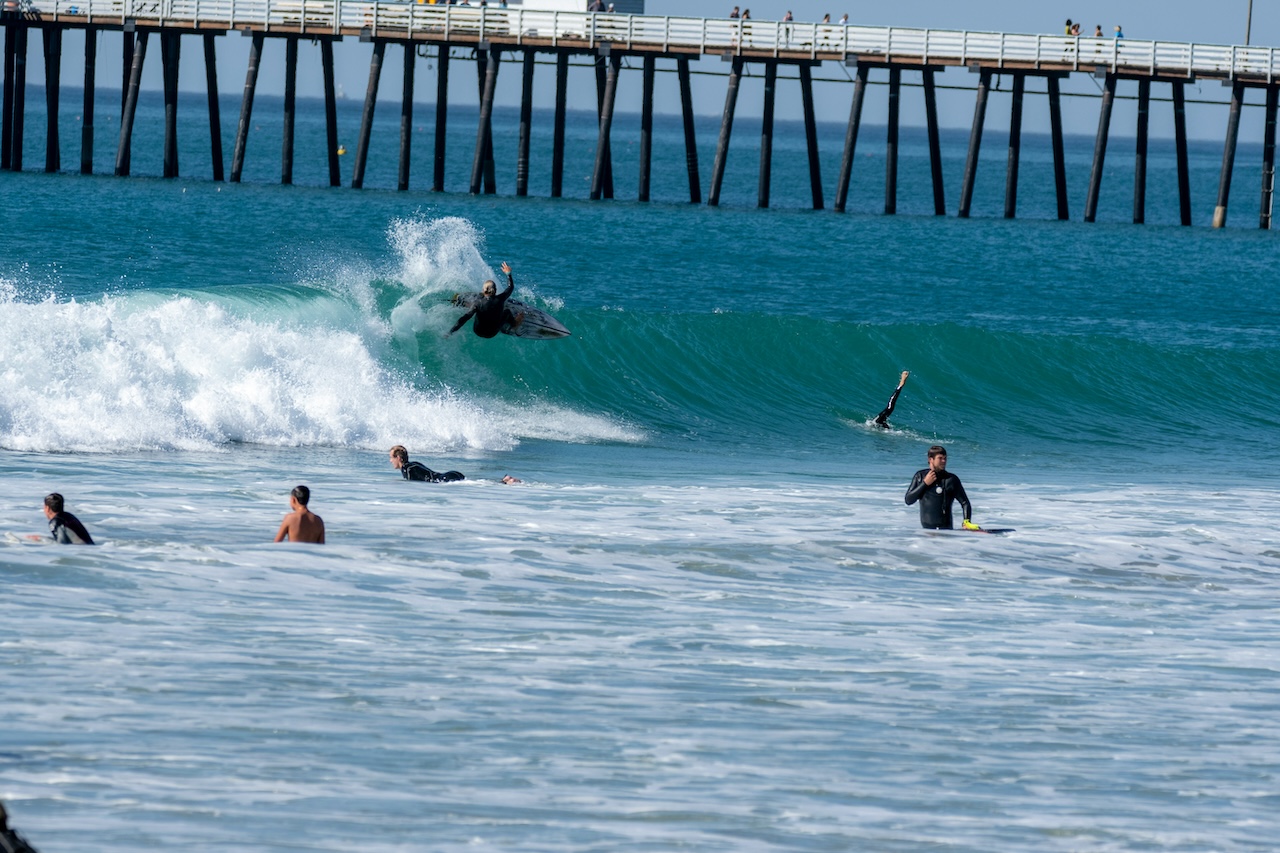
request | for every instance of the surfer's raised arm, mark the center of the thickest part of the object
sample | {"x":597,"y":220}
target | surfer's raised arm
{"x":511,"y":282}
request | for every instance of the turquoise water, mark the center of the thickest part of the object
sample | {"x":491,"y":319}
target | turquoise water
{"x":706,"y":620}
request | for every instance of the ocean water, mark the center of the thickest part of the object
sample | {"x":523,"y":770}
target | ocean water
{"x":705,"y":620}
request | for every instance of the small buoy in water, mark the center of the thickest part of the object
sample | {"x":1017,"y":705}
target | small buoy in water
{"x":342,"y":149}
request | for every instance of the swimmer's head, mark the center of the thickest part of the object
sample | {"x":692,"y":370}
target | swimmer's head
{"x":399,"y":456}
{"x":53,"y":502}
{"x":301,"y":494}
{"x":938,"y":457}
{"x":490,"y":288}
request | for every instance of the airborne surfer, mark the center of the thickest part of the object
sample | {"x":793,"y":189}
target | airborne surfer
{"x":882,"y":419}
{"x":491,"y":310}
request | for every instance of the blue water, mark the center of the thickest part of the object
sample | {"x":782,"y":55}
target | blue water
{"x":705,"y":620}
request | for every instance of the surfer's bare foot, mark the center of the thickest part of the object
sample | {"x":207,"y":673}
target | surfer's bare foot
{"x":519,"y":318}
{"x":903,"y":380}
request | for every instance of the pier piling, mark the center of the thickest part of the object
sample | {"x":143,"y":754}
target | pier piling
{"x":1180,"y":144}
{"x":442,"y":116}
{"x":1059,"y":155}
{"x":215,"y":112}
{"x":766,"y":134}
{"x":330,"y":112}
{"x":1268,"y":157}
{"x":6,"y":121}
{"x":1140,"y":154}
{"x":484,"y":138}
{"x":406,"y":116}
{"x":1100,"y":148}
{"x":1015,"y":147}
{"x":366,"y":118}
{"x":170,"y":47}
{"x":690,"y":136}
{"x":557,"y":144}
{"x":811,"y":135}
{"x":526,"y":122}
{"x":19,"y":97}
{"x":52,"y":85}
{"x":935,"y":142}
{"x":851,"y":138}
{"x":601,"y":63}
{"x":646,"y":128}
{"x":975,"y":143}
{"x":1228,"y":155}
{"x":603,"y":153}
{"x":130,"y":106}
{"x":246,"y":105}
{"x":86,"y":121}
{"x":726,"y":131}
{"x":891,"y":143}
{"x":290,"y":100}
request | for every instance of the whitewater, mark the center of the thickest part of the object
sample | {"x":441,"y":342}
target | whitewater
{"x":705,"y":620}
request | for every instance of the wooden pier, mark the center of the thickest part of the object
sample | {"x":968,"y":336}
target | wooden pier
{"x":498,"y":35}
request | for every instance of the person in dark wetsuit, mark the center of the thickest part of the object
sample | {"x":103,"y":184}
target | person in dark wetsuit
{"x":64,"y":528}
{"x":418,"y":471}
{"x":936,"y":489}
{"x":882,"y":419}
{"x":491,"y":309}
{"x":10,"y":841}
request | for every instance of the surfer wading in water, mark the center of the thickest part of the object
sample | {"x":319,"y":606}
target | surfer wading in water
{"x":936,"y":489}
{"x":491,"y":310}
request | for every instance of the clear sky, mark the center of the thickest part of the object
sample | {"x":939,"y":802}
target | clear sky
{"x":1221,"y":22}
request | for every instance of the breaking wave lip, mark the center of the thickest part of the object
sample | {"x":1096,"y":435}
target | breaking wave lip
{"x":285,"y":367}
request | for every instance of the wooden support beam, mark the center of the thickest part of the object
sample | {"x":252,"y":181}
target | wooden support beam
{"x":170,"y":54}
{"x":891,"y":142}
{"x":766,"y":134}
{"x":526,"y":122}
{"x":811,"y":136}
{"x":90,"y":78}
{"x":290,"y":108}
{"x":1140,"y":153}
{"x":442,"y":116}
{"x":1100,"y":149}
{"x":935,"y":143}
{"x":366,"y":118}
{"x":975,"y":144}
{"x":603,"y":153}
{"x":1059,"y":155}
{"x":19,"y":98}
{"x":646,"y":127}
{"x":1228,"y":155}
{"x":246,"y":105}
{"x":52,"y":37}
{"x":215,"y":111}
{"x":1268,"y":157}
{"x":1015,"y":148}
{"x":690,"y":136}
{"x":330,"y":112}
{"x":123,"y":161}
{"x":1180,"y":143}
{"x":851,"y":138}
{"x":6,"y":121}
{"x":601,"y":83}
{"x":484,"y":132}
{"x":557,"y":143}
{"x":406,"y":115}
{"x":726,"y":131}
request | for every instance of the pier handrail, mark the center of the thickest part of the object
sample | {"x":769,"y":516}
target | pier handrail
{"x":748,"y":38}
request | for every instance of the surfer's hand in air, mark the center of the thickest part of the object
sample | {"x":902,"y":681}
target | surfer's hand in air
{"x":506,"y":268}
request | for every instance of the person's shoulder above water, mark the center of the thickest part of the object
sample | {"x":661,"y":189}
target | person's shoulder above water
{"x":64,"y":528}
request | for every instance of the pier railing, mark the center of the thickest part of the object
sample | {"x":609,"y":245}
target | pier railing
{"x":705,"y":35}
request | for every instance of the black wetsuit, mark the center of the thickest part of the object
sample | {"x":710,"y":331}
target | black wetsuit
{"x":490,"y":313}
{"x":935,"y":501}
{"x":882,"y":419}
{"x":418,"y":471}
{"x":66,"y":529}
{"x":12,"y":842}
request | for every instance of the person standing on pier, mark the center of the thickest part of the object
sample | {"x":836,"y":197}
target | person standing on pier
{"x":1119,"y":32}
{"x":735,"y":13}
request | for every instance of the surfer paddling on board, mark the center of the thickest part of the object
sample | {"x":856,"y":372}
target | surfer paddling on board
{"x":301,"y":525}
{"x":491,"y":310}
{"x":882,"y":419}
{"x":64,"y":528}
{"x":418,"y":471}
{"x":936,"y":489}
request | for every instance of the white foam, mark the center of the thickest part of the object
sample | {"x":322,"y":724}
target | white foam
{"x":152,"y":371}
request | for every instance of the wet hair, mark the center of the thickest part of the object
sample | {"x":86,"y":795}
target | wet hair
{"x":301,"y":494}
{"x":937,"y":450}
{"x":400,"y":453}
{"x":54,"y":502}
{"x":490,"y":286}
